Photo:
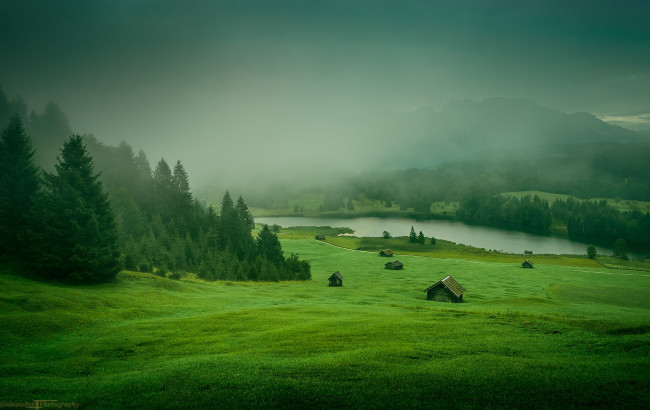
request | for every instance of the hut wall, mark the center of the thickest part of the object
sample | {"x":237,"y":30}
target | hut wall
{"x":442,"y":294}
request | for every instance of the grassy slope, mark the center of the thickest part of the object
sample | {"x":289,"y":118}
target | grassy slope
{"x":552,"y":336}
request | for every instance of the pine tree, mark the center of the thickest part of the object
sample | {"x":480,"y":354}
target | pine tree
{"x":19,"y":189}
{"x":412,"y":236}
{"x":49,"y":130}
{"x":163,"y":189}
{"x":234,"y":234}
{"x":268,"y":246}
{"x":244,"y":213}
{"x":182,"y":194}
{"x":79,"y":239}
{"x":421,"y":238}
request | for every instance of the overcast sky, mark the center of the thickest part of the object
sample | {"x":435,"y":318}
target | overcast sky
{"x":231,"y":76}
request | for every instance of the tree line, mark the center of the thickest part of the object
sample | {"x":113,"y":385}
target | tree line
{"x":587,"y":221}
{"x":79,"y":225}
{"x":526,"y":213}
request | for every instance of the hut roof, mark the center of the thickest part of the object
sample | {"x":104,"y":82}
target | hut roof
{"x":451,"y":284}
{"x":528,"y":262}
{"x":387,"y":252}
{"x":396,"y":263}
{"x":337,"y":274}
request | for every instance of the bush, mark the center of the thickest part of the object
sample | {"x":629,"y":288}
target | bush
{"x":591,"y":252}
{"x":175,"y":275}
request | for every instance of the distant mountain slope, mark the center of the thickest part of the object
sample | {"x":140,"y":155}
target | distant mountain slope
{"x":497,"y":127}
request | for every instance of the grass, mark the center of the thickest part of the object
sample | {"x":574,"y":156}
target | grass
{"x":553,"y":336}
{"x":447,"y":249}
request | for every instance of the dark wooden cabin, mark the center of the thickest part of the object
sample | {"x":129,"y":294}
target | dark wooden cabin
{"x":446,"y":290}
{"x":394,"y":265}
{"x":320,"y":237}
{"x":527,"y":264}
{"x":336,"y":279}
{"x":386,"y":252}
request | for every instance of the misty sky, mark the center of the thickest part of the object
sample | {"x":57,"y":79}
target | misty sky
{"x":208,"y":81}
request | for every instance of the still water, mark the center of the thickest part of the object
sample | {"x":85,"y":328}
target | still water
{"x":477,"y":236}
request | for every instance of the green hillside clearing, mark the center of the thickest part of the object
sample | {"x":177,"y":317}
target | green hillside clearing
{"x":554,"y":335}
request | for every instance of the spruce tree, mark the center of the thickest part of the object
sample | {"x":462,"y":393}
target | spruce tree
{"x":413,"y":238}
{"x":235,"y":233}
{"x":268,"y":246}
{"x":182,"y":204}
{"x":79,"y":241}
{"x":19,"y":189}
{"x":143,"y":180}
{"x":163,"y":187}
{"x":244,"y":213}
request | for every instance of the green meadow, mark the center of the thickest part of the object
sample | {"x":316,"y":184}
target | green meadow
{"x":560,"y":335}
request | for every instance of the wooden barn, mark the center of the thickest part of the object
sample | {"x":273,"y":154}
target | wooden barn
{"x":320,"y":237}
{"x":336,"y":279}
{"x":527,"y":264}
{"x":386,"y":252}
{"x":394,"y":265}
{"x":446,"y":290}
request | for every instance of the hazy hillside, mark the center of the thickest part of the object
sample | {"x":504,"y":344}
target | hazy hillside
{"x":496,"y":128}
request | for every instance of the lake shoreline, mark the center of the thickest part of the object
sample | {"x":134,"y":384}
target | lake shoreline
{"x":491,"y":238}
{"x":559,"y":232}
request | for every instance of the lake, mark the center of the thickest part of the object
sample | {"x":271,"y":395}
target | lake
{"x":477,"y":236}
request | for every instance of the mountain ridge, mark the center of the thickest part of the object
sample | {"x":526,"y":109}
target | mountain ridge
{"x":465,"y":128}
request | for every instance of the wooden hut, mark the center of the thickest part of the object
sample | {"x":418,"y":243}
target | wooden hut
{"x":320,"y":237}
{"x":386,"y":252}
{"x":446,"y":290}
{"x":336,"y":279}
{"x":527,"y":264}
{"x":394,"y":265}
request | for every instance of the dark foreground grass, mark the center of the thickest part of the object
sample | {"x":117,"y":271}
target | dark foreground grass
{"x":554,"y":336}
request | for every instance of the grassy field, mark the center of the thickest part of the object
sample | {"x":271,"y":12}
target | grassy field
{"x":447,"y":249}
{"x":553,"y":336}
